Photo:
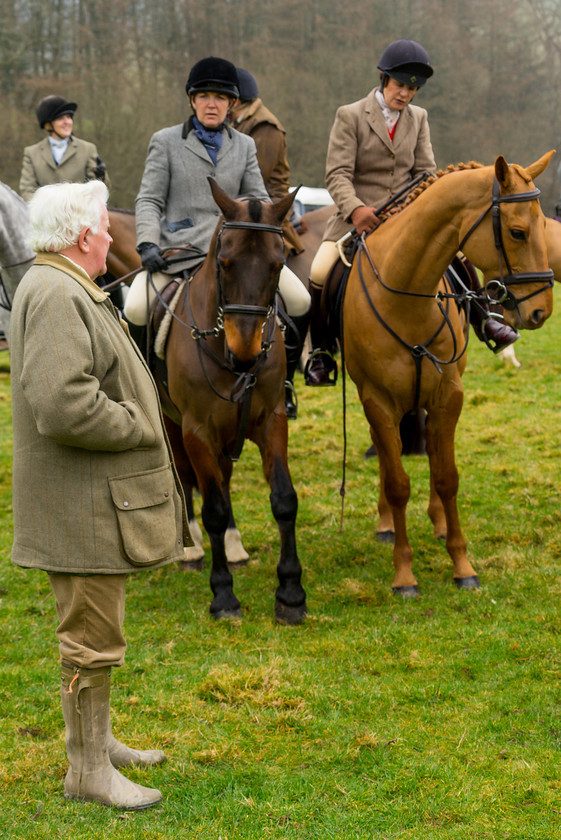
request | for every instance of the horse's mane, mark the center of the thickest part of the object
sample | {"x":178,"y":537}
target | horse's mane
{"x":420,"y":188}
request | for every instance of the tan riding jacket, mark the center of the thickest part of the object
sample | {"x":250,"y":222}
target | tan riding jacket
{"x":364,"y":166}
{"x":39,"y":168}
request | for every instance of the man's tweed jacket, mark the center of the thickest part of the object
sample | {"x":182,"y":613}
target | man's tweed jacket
{"x":94,"y":486}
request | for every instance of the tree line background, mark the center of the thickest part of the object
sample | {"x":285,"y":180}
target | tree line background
{"x":494,"y":90}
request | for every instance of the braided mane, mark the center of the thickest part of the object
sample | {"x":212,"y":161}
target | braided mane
{"x":420,"y":188}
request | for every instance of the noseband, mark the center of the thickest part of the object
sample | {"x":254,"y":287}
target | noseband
{"x":243,"y":308}
{"x":245,"y":381}
{"x":497,"y":290}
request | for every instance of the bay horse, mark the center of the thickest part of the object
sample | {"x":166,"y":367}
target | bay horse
{"x":124,"y":259}
{"x":225,"y":383}
{"x":16,"y":255}
{"x":405,"y":340}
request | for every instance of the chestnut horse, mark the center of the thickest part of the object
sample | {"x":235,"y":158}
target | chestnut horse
{"x":225,"y":383}
{"x":404,"y":344}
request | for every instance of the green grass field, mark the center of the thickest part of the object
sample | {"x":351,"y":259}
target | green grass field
{"x":377,"y":718}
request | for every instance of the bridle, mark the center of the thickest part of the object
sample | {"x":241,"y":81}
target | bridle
{"x":245,"y":380}
{"x":497,"y":290}
{"x":269,"y":311}
{"x":498,"y":287}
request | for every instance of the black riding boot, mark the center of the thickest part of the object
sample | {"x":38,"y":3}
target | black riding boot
{"x":321,"y":363}
{"x":294,"y":338}
{"x":494,"y":333}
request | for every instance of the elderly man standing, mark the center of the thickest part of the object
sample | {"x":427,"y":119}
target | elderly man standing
{"x":95,"y":492}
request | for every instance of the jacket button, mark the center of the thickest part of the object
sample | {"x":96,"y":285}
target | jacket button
{"x":126,"y":504}
{"x":166,"y":494}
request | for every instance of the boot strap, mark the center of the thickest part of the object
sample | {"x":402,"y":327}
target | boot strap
{"x":75,"y":679}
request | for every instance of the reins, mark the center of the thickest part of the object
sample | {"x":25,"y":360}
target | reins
{"x":498,"y":287}
{"x":245,"y":381}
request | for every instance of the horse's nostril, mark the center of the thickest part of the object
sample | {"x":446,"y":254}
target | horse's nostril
{"x":538,"y":317}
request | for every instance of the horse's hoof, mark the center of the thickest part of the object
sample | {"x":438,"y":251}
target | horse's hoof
{"x":192,"y":565}
{"x":406,"y":591}
{"x":386,"y":536}
{"x":237,"y":564}
{"x":225,"y":614}
{"x":471,"y":582}
{"x":290,"y":615}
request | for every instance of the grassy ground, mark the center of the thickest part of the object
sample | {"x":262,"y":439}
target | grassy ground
{"x":377,"y":718}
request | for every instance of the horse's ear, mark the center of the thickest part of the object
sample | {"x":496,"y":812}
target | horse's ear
{"x":283,"y":205}
{"x":501,"y":170}
{"x":538,"y":167}
{"x":226,"y":204}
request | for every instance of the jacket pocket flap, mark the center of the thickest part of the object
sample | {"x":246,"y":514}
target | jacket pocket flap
{"x":142,"y":490}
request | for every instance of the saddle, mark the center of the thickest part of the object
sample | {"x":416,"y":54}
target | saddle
{"x":159,"y":324}
{"x":334,"y":293}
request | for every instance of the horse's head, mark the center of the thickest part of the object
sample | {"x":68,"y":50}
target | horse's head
{"x":507,"y":242}
{"x":249,"y":254}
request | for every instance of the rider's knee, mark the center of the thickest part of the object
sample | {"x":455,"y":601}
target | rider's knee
{"x":295,"y":295}
{"x":324,"y":260}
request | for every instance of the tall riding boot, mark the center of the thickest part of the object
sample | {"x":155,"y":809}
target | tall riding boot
{"x":91,"y":776}
{"x":321,"y":363}
{"x":294,"y":338}
{"x":494,"y":333}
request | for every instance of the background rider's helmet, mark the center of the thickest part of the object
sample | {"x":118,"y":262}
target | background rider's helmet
{"x":247,"y":85}
{"x":407,"y":62}
{"x":214,"y":75}
{"x":52,"y":107}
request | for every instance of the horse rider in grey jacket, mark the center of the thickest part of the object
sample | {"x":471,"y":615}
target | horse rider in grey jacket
{"x":174,"y":206}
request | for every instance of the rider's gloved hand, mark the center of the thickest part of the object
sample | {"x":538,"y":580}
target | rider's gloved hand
{"x":364,"y":219}
{"x":151,"y":257}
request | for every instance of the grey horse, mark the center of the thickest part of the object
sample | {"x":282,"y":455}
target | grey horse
{"x":15,"y":254}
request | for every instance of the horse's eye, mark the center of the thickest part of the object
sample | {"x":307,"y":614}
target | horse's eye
{"x":519,"y":235}
{"x":224,"y":264}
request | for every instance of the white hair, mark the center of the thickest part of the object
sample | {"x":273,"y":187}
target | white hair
{"x":58,"y":212}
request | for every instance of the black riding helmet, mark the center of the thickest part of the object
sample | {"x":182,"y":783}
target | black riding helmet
{"x":407,"y":62}
{"x":247,"y":85}
{"x":213,"y":75}
{"x":52,"y":107}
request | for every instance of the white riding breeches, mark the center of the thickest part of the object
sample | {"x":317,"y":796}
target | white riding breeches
{"x":326,"y":256}
{"x":295,"y":296}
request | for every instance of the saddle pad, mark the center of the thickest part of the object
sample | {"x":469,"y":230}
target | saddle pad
{"x":163,"y":329}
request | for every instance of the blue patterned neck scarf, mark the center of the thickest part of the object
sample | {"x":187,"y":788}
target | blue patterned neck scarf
{"x":211,"y":138}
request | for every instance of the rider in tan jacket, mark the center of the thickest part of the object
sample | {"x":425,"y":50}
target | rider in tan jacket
{"x":376,"y":147}
{"x":59,"y":156}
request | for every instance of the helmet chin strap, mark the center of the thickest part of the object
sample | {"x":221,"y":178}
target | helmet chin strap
{"x":52,"y":130}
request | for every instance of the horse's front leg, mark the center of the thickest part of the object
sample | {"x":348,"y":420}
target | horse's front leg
{"x":193,"y":555}
{"x":444,"y":477}
{"x":215,"y":514}
{"x":290,"y":603}
{"x":235,"y":551}
{"x":395,"y":491}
